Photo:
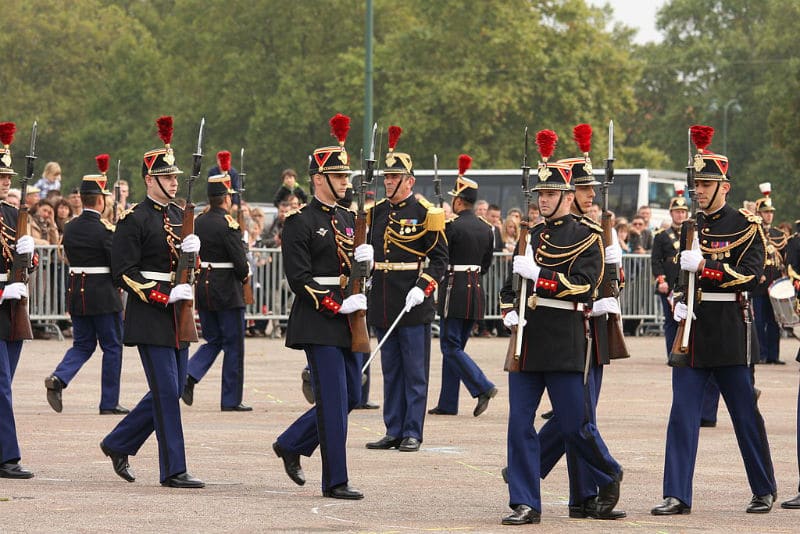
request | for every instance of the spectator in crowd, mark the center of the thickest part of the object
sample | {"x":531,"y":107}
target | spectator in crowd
{"x":63,"y":214}
{"x":42,"y":226}
{"x":534,"y":215}
{"x":516,"y":214}
{"x":786,"y":228}
{"x":50,"y":180}
{"x":289,"y":187}
{"x":294,"y":202}
{"x":640,"y":239}
{"x":645,"y":213}
{"x":124,"y":192}
{"x":595,"y":212}
{"x":623,"y":231}
{"x":257,"y":216}
{"x":480,"y":208}
{"x":31,"y":197}
{"x":271,"y":237}
{"x":74,"y":199}
{"x":53,"y":196}
{"x":13,"y":197}
{"x":448,"y":211}
{"x":510,"y":234}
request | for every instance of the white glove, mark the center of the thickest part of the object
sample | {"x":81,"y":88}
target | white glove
{"x":415,"y":297}
{"x":681,"y":311}
{"x":25,"y":245}
{"x":181,"y":292}
{"x":353,"y":303}
{"x":15,"y":291}
{"x":190,"y":244}
{"x":512,"y":319}
{"x":613,"y":254}
{"x":604,"y":306}
{"x":364,"y":253}
{"x":526,"y":267}
{"x":690,"y":260}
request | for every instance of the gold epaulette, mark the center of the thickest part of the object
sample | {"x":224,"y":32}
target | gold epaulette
{"x":657,"y":231}
{"x":750,"y":216}
{"x":434,"y":221}
{"x":484,"y":220}
{"x":425,"y":202}
{"x":586,"y":221}
{"x":109,"y":226}
{"x":126,"y":212}
{"x":292,"y":212}
{"x":232,"y":223}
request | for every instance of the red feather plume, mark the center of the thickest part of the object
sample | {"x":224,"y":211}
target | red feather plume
{"x":582,"y":134}
{"x":701,"y":136}
{"x":165,"y":128}
{"x":464,"y":163}
{"x":679,"y":190}
{"x":546,"y":141}
{"x":224,"y":158}
{"x":102,"y":162}
{"x":394,"y":136}
{"x":7,"y":131}
{"x":340,"y":125}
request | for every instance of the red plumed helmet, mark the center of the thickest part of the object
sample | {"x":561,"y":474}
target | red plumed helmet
{"x":546,"y":141}
{"x":340,"y":125}
{"x":165,"y":128}
{"x":7,"y":131}
{"x":582,"y":134}
{"x":679,"y":190}
{"x":701,"y":136}
{"x":224,"y":159}
{"x":102,"y":162}
{"x":464,"y":163}
{"x":394,"y":136}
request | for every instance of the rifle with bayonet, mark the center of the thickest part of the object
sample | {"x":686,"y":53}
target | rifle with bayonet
{"x":247,"y":285}
{"x":187,"y":261}
{"x":117,"y":196}
{"x":437,"y":182}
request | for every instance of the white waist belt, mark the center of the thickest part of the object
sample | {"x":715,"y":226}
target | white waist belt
{"x":719,"y":297}
{"x":462,"y":268}
{"x":555,"y":303}
{"x":396,"y":266}
{"x":329,"y":280}
{"x":155,"y":275}
{"x":89,"y":270}
{"x":3,"y":277}
{"x":216,"y":264}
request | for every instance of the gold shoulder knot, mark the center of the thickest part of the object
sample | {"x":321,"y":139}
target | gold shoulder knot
{"x":434,"y":221}
{"x":109,"y":226}
{"x":293,"y":212}
{"x":232,"y":223}
{"x":425,"y":202}
{"x":750,"y":216}
{"x":658,"y":231}
{"x":586,"y":221}
{"x":484,"y":220}
{"x":127,"y":211}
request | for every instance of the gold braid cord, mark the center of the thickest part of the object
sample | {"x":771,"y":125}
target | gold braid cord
{"x":559,"y":255}
{"x":137,"y":287}
{"x":314,"y":292}
{"x":739,"y":238}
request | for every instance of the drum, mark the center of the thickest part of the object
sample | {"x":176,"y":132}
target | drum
{"x":784,"y":302}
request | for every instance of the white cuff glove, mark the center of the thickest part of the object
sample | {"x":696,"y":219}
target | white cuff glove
{"x":415,"y":297}
{"x":25,"y":245}
{"x":14,"y":291}
{"x":681,"y":312}
{"x":181,"y":292}
{"x":526,"y":267}
{"x":364,"y":253}
{"x":353,"y":303}
{"x":604,"y":306}
{"x":512,"y":319}
{"x":613,"y":254}
{"x":190,"y":244}
{"x":690,"y":260}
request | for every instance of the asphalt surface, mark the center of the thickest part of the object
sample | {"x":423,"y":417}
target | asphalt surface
{"x":452,"y":484}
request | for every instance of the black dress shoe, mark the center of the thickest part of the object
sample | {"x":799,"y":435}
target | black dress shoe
{"x":707,"y":423}
{"x":608,"y":496}
{"x":188,"y":391}
{"x":589,"y":510}
{"x":793,"y":504}
{"x":343,"y":491}
{"x":386,"y":442}
{"x":238,"y":408}
{"x":14,"y":470}
{"x":120,"y":463}
{"x":671,"y":506}
{"x":369,"y":405}
{"x":54,"y":386}
{"x":523,"y":515}
{"x":761,"y":504}
{"x":291,"y":464}
{"x":438,"y":411}
{"x":117,"y":410}
{"x":308,"y":389}
{"x":409,"y":444}
{"x":483,"y":401}
{"x":548,"y":415}
{"x":184,"y":480}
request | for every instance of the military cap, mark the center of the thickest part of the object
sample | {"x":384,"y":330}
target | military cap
{"x":7,"y":131}
{"x":161,"y":161}
{"x":397,"y":162}
{"x":465,"y":188}
{"x":332,"y":159}
{"x":552,"y":175}
{"x":95,"y":184}
{"x":220,"y":184}
{"x":707,"y":164}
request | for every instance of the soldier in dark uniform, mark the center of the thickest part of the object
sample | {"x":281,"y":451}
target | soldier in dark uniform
{"x":462,"y":299}
{"x":793,"y":271}
{"x":92,"y":300}
{"x":144,"y":256}
{"x":769,"y":332}
{"x":728,"y":260}
{"x":10,"y":348}
{"x":405,"y":232}
{"x":563,"y":265}
{"x":317,"y":247}
{"x":220,"y":293}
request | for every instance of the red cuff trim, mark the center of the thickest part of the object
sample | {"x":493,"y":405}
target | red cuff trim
{"x":660,"y":279}
{"x":1,"y":292}
{"x":330,"y":304}
{"x":158,"y":296}
{"x":544,"y":283}
{"x":711,"y":274}
{"x":35,"y":259}
{"x":430,"y":288}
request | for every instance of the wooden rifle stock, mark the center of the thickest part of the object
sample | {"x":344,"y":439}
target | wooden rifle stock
{"x":20,"y":321}
{"x":358,"y":319}
{"x":247,"y":285}
{"x":513,"y":354}
{"x":679,"y":356}
{"x":617,"y":349}
{"x":187,"y":329}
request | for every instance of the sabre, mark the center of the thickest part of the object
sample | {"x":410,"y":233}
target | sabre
{"x":383,"y":339}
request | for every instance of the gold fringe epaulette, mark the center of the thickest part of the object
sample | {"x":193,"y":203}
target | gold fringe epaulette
{"x":435,"y":221}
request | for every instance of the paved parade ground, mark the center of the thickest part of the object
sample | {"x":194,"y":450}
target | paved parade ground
{"x":452,"y":484}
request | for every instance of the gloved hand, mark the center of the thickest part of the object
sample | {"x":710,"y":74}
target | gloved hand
{"x":415,"y":297}
{"x":605,"y":305}
{"x":25,"y":245}
{"x":512,"y":319}
{"x":353,"y":303}
{"x":613,"y":254}
{"x":190,"y":244}
{"x":15,"y":291}
{"x":526,"y":267}
{"x":681,"y":312}
{"x":366,"y":253}
{"x":181,"y":292}
{"x":691,"y":259}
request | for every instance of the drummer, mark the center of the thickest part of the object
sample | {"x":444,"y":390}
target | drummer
{"x":793,"y":269}
{"x":769,"y":332}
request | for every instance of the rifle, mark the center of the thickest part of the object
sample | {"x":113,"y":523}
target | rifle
{"x":437,"y":182}
{"x":512,"y":363}
{"x":360,"y":271}
{"x":247,"y":286}
{"x":611,"y":276}
{"x":20,"y":321}
{"x":117,"y":196}
{"x":679,"y":356}
{"x":187,"y":262}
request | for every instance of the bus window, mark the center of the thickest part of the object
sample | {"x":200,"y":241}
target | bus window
{"x":659,"y":194}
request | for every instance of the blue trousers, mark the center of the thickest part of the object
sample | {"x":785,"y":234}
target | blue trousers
{"x":405,"y":360}
{"x":336,"y":376}
{"x":736,"y":385}
{"x":457,"y":366}
{"x":87,"y":330}
{"x":223,"y":330}
{"x":581,"y":437}
{"x":768,"y":331}
{"x":159,"y":410}
{"x":670,"y":324}
{"x":362,"y":359}
{"x":9,"y":357}
{"x":710,"y":400}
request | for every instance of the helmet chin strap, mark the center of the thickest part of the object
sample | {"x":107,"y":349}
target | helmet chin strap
{"x":396,"y":189}
{"x":714,"y":196}
{"x":330,"y":186}
{"x":158,"y":181}
{"x":558,"y":204}
{"x":577,"y":206}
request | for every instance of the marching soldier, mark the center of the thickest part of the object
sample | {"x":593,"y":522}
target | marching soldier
{"x":93,"y":302}
{"x":462,"y":298}
{"x":793,"y":270}
{"x":317,"y":247}
{"x":145,"y":250}
{"x":220,"y":294}
{"x":406,"y":233}
{"x":10,"y":347}
{"x":564,"y":265}
{"x":769,"y":332}
{"x":728,"y":260}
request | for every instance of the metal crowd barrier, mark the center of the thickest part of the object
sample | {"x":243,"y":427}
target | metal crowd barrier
{"x":273,"y":298}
